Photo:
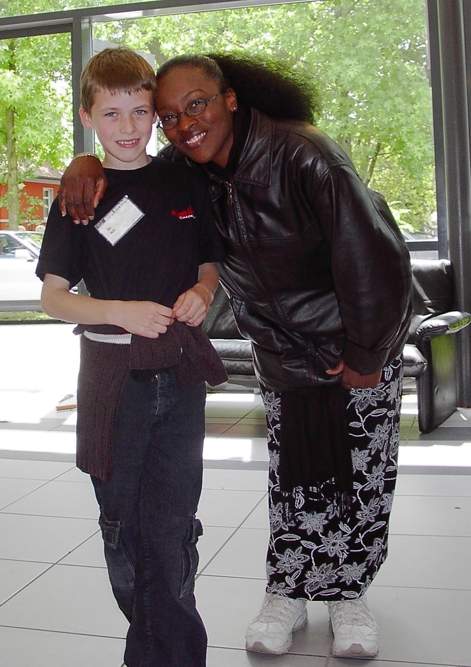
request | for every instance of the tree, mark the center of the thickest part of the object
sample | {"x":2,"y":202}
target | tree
{"x":35,"y":106}
{"x":369,"y":59}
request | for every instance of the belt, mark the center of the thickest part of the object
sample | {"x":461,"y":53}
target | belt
{"x":117,"y":339}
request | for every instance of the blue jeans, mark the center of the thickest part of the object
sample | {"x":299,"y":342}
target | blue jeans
{"x":148,"y":523}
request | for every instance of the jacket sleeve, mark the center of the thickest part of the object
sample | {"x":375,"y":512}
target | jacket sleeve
{"x":370,"y":264}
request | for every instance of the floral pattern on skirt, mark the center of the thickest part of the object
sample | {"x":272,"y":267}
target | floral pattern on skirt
{"x":317,"y":549}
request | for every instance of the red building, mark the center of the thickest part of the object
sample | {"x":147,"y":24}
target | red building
{"x":43,"y":187}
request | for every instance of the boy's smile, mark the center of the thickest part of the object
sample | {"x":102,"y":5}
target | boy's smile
{"x":123,"y":123}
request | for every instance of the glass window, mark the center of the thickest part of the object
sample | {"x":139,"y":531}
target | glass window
{"x":36,"y":130}
{"x":369,"y":61}
{"x":48,"y":198}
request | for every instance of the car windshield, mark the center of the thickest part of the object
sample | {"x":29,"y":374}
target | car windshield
{"x":36,"y":238}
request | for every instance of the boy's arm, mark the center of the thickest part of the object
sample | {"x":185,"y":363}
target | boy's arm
{"x":192,"y":306}
{"x":83,"y":185}
{"x":144,"y":318}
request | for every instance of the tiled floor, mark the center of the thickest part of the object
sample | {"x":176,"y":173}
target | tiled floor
{"x":56,"y":608}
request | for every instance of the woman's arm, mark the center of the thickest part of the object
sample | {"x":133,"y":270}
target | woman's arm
{"x":192,"y":306}
{"x":144,"y":318}
{"x":83,"y":185}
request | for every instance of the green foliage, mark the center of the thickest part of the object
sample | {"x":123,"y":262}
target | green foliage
{"x":368,"y":58}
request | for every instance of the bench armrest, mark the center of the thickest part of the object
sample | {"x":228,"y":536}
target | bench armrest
{"x":444,"y":324}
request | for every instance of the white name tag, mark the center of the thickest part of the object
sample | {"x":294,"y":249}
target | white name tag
{"x":119,"y":220}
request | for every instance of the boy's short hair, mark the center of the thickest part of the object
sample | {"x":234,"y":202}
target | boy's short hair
{"x":115,"y":70}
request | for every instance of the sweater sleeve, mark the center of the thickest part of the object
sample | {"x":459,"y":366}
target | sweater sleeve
{"x":370,"y":264}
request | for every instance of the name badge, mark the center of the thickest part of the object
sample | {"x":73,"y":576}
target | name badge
{"x":119,"y":220}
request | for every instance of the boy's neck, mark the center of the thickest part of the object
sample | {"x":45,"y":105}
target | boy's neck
{"x":110,"y":162}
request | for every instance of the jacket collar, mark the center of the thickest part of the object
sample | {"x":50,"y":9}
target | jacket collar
{"x":256,"y":158}
{"x":254,"y":165}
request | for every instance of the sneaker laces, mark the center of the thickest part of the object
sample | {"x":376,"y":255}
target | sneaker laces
{"x":277,"y":609}
{"x":351,"y":612}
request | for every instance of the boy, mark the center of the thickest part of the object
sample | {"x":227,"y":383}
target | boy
{"x":147,"y":264}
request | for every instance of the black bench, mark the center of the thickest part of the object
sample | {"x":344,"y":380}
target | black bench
{"x":429,"y":355}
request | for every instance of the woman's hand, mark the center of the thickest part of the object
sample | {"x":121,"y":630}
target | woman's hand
{"x":191,"y":306}
{"x":144,"y":318}
{"x":352,"y":379}
{"x":83,"y":184}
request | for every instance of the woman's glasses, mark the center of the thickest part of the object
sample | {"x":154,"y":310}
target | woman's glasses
{"x":194,"y":108}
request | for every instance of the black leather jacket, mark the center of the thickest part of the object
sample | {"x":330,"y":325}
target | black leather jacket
{"x":316,"y":268}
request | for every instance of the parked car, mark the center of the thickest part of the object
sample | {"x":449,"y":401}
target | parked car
{"x":19,"y":252}
{"x":36,"y":238}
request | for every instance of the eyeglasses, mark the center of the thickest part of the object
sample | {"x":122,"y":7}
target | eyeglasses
{"x":192,"y":109}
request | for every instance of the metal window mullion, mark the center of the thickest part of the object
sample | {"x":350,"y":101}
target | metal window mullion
{"x":81,"y":52}
{"x":457,"y":150}
{"x":436,"y":84}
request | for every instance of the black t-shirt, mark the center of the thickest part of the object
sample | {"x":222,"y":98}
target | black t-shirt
{"x":158,"y":258}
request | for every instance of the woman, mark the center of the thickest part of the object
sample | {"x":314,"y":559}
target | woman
{"x":319,"y":280}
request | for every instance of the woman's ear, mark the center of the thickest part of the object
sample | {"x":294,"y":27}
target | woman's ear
{"x":231,"y":99}
{"x":85,"y":118}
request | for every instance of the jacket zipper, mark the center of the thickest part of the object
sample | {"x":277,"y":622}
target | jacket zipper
{"x":234,"y":212}
{"x":238,"y":220}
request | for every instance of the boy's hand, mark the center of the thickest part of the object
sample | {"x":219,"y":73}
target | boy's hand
{"x":352,"y":379}
{"x":144,"y":318}
{"x":83,"y":184}
{"x":191,"y":306}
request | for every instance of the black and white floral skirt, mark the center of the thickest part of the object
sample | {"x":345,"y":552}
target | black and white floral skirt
{"x":319,"y":550}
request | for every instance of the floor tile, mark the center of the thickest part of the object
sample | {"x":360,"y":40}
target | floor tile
{"x":226,"y":508}
{"x":423,"y":625}
{"x":89,"y":554}
{"x":235,"y":480}
{"x":33,"y":648}
{"x":215,"y":428}
{"x":227,"y":605}
{"x":439,"y":454}
{"x":246,"y":429}
{"x":59,"y":499}
{"x":243,"y":556}
{"x":461,"y":417}
{"x":54,"y":442}
{"x":74,"y":475}
{"x":241,"y":658}
{"x":245,"y":449}
{"x":233,"y":410}
{"x":93,"y":611}
{"x":432,"y":562}
{"x":429,"y":515}
{"x":41,"y":538}
{"x":16,"y":574}
{"x":258,"y":518}
{"x":433,"y":485}
{"x":343,"y":662}
{"x":44,"y":470}
{"x":13,"y":489}
{"x":211,"y":542}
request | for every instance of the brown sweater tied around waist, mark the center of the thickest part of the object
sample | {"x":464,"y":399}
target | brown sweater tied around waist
{"x":104,"y":368}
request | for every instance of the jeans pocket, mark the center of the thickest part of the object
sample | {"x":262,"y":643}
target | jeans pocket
{"x":121,"y":567}
{"x":190,"y":559}
{"x":110,"y":531}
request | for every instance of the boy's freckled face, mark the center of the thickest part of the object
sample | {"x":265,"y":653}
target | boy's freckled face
{"x":123,"y":124}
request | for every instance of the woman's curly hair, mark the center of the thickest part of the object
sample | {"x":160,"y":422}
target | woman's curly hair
{"x":267,"y":85}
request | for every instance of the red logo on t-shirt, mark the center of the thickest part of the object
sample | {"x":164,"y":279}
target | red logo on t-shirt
{"x":185,"y":214}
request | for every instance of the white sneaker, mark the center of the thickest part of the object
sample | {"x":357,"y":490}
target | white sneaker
{"x":355,"y":629}
{"x":272,"y":630}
